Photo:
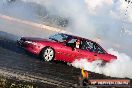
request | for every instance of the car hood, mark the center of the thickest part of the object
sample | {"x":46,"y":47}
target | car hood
{"x":36,"y":39}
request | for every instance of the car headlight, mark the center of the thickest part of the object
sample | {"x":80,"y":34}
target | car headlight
{"x":31,"y":42}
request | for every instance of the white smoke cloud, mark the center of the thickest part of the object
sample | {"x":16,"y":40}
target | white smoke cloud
{"x":95,"y":5}
{"x":118,"y":68}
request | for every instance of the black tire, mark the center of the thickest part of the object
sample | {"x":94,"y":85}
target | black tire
{"x":48,"y":54}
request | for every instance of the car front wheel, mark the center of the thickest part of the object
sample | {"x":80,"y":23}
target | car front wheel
{"x":48,"y":54}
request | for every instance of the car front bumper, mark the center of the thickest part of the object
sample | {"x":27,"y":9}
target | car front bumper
{"x":27,"y":47}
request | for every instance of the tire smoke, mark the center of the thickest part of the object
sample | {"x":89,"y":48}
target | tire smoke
{"x":119,"y":68}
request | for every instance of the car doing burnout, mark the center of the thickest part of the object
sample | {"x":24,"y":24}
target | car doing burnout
{"x":63,"y":47}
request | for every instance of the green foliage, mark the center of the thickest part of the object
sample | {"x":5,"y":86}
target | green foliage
{"x":4,"y":83}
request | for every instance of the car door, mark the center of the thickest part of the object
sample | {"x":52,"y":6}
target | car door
{"x":71,"y":52}
{"x":61,"y":52}
{"x":65,"y":51}
{"x":100,"y":52}
{"x":91,"y":51}
{"x":68,"y":54}
{"x":59,"y":46}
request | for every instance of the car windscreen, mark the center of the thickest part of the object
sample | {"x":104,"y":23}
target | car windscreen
{"x":59,"y":37}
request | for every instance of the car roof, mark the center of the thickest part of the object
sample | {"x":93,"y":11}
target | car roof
{"x":76,"y":37}
{"x":82,"y":38}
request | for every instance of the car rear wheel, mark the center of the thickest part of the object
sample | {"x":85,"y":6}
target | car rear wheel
{"x":48,"y":54}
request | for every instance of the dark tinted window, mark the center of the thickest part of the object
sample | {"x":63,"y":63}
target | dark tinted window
{"x":92,"y":47}
{"x":87,"y":45}
{"x":98,"y":49}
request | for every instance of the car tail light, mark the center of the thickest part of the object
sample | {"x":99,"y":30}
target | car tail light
{"x":113,"y":58}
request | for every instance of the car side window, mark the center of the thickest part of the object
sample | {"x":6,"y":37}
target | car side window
{"x":87,"y":45}
{"x":98,"y":49}
{"x":72,"y":40}
{"x":92,"y":47}
{"x":73,"y":43}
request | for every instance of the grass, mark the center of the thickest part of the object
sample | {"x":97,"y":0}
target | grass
{"x":7,"y":83}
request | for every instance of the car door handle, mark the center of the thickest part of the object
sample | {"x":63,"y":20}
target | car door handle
{"x":95,"y":54}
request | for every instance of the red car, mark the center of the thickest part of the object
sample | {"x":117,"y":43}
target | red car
{"x":66,"y":48}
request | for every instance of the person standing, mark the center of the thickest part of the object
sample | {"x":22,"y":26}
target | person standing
{"x":84,"y":78}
